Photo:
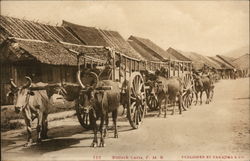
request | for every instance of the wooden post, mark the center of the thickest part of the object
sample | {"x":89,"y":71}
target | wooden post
{"x":114,"y":68}
{"x":120,"y":59}
{"x":178,"y":63}
{"x":183,"y":67}
{"x":125,"y":68}
{"x":130,"y":67}
{"x":133,"y":65}
{"x":174,"y":68}
{"x":169,"y":67}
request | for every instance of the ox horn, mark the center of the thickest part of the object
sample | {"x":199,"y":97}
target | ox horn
{"x":96,"y":76}
{"x":13,"y":85}
{"x":79,"y":79}
{"x":29,"y":81}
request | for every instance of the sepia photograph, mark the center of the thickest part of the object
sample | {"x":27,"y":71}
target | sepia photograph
{"x":135,"y":80}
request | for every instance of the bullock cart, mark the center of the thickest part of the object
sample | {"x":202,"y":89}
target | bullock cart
{"x":120,"y":68}
{"x":173,"y":68}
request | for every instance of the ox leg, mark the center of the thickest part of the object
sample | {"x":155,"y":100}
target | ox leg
{"x":124,"y":112}
{"x":165,"y":106}
{"x":28,"y":128}
{"x":207,"y":94}
{"x":211,"y":95}
{"x":39,"y":127}
{"x":159,"y":104}
{"x":172,"y":103}
{"x":106,"y":129}
{"x":196,"y":95}
{"x":102,"y":129}
{"x":201,"y":97}
{"x":45,"y":126}
{"x":93,"y":124}
{"x":180,"y":103}
{"x":114,"y":117}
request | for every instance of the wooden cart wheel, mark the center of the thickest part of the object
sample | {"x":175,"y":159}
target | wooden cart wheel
{"x":137,"y":100}
{"x":188,"y":91}
{"x":83,"y":117}
{"x":152,"y":102}
{"x":151,"y":99}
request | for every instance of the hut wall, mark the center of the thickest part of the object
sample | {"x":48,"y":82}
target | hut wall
{"x":7,"y":71}
{"x":38,"y":73}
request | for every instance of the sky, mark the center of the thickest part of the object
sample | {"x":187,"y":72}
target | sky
{"x":206,"y":27}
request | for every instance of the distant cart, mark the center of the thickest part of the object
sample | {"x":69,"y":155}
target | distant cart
{"x":175,"y":68}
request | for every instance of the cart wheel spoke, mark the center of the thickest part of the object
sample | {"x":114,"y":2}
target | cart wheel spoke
{"x":137,"y":99}
{"x":82,"y":116}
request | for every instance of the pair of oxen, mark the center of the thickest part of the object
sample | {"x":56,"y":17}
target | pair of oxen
{"x":171,"y":90}
{"x":204,"y":83}
{"x":165,"y":90}
{"x":99,"y":99}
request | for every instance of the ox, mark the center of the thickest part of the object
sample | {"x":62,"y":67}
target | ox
{"x":32,"y":101}
{"x":203,"y":83}
{"x":169,"y":90}
{"x":99,"y":100}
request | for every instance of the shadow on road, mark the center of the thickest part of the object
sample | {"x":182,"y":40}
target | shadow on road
{"x":52,"y":145}
{"x":60,"y":137}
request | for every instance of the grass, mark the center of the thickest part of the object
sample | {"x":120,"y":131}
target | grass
{"x":7,"y":124}
{"x":8,"y":115}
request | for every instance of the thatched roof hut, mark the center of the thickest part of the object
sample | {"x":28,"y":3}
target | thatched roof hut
{"x":13,"y":27}
{"x":54,"y":53}
{"x":222,"y":64}
{"x":198,"y":60}
{"x":177,"y":54}
{"x":216,"y":65}
{"x":242,"y":62}
{"x":99,"y":37}
{"x":226,"y":60}
{"x":151,"y":48}
{"x":40,"y":38}
{"x":143,"y":52}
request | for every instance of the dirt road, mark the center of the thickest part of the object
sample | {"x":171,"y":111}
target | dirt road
{"x":218,"y":131}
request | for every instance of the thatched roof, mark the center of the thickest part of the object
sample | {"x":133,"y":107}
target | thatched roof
{"x":199,"y":60}
{"x":88,"y":35}
{"x":242,"y":62}
{"x":222,"y":64}
{"x":152,"y":48}
{"x":177,"y":54}
{"x":94,"y":36}
{"x":143,"y":52}
{"x":216,"y":65}
{"x":227,"y":60}
{"x":49,"y":53}
{"x":14,"y":27}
